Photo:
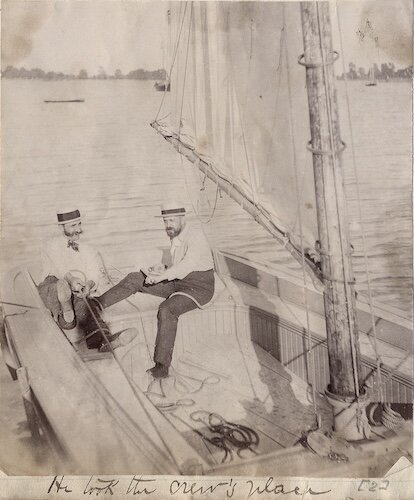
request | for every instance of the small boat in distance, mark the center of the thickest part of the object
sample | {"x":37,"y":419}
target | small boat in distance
{"x":64,"y":100}
{"x":162,"y":86}
{"x":372,"y":80}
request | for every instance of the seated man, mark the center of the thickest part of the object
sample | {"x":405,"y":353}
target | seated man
{"x":71,"y":272}
{"x":186,"y":285}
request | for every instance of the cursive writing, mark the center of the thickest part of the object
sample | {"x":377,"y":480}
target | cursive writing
{"x":137,"y":483}
{"x":100,"y":486}
{"x":194,"y":488}
{"x":279,"y":489}
{"x":179,"y":487}
{"x":59,"y":485}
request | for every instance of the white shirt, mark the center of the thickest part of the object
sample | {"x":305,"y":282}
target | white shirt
{"x":190,"y":251}
{"x":59,"y":259}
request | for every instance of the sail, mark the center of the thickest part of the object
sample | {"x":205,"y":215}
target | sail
{"x":238,"y":101}
{"x":232,"y":86}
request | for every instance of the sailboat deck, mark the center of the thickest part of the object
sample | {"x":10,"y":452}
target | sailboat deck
{"x":229,"y":368}
{"x":218,"y":376}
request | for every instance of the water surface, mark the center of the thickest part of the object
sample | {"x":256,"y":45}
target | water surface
{"x":103,"y":156}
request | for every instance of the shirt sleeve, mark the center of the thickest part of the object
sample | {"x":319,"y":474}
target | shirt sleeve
{"x":48,"y":266}
{"x":95,"y":271}
{"x":197,"y":249}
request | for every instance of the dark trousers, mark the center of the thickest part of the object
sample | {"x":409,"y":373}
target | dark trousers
{"x":198,"y":284}
{"x":83,"y":316}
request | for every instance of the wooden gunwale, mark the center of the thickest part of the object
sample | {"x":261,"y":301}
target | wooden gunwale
{"x":65,"y":381}
{"x":86,"y":378}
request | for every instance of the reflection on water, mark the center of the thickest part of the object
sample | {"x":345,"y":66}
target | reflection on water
{"x":103,"y":156}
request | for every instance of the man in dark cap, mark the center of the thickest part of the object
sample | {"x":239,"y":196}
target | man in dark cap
{"x":72,"y":272}
{"x":186,"y":285}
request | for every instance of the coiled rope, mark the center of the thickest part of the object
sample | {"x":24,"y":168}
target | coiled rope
{"x":389,"y":418}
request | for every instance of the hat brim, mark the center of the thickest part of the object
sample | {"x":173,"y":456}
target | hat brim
{"x":61,"y":223}
{"x":166,"y":216}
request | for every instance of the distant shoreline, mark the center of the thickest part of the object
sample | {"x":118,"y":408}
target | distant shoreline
{"x":39,"y":74}
{"x":385,"y":72}
{"x":339,"y":78}
{"x":78,"y":79}
{"x":360,"y":80}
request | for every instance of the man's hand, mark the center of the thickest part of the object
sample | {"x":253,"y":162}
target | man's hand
{"x":76,"y":284}
{"x":88,"y":288}
{"x":153,"y":279}
{"x":156,"y":269}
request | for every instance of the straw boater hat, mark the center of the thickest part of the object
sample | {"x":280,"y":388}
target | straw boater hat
{"x":68,"y":215}
{"x":172,"y":209}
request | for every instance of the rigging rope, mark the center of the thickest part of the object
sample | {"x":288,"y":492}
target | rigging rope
{"x":173,"y":59}
{"x":282,"y":42}
{"x":179,"y":378}
{"x":191,"y":21}
{"x":359,"y":204}
{"x":132,"y":386}
{"x":259,"y":214}
{"x":20,"y":305}
{"x":230,"y":435}
{"x":182,"y":166}
{"x":309,"y":354}
{"x":127,"y":300}
{"x":235,"y":95}
{"x":213,"y":211}
{"x":241,"y":122}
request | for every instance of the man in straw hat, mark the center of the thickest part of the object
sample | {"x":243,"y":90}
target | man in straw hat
{"x":186,"y":285}
{"x":71,"y":272}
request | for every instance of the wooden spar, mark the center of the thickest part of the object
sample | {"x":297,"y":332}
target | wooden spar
{"x":326,"y":145}
{"x":235,"y":194}
{"x":207,"y":79}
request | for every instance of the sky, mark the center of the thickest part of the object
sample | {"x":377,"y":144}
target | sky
{"x":391,"y":22}
{"x":68,"y":35}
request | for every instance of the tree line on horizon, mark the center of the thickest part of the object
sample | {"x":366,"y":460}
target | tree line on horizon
{"x":386,"y":72}
{"x":37,"y":73}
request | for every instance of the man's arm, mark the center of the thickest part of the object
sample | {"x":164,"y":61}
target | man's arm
{"x":48,"y":266}
{"x":78,"y":285}
{"x":96,"y":274}
{"x":183,"y":268}
{"x":197,"y":257}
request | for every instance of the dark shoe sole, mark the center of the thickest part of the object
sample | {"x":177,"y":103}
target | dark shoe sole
{"x":154,"y":372}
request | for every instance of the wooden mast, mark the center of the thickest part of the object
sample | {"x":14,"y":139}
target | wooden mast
{"x":326,"y":146}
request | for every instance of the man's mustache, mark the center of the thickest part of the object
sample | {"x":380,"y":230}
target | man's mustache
{"x":74,"y":233}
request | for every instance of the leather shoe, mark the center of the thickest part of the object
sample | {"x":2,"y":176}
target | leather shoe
{"x":158,"y":371}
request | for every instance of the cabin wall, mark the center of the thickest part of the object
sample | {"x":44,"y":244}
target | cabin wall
{"x":281,"y":338}
{"x":277,"y":305}
{"x":287,"y":343}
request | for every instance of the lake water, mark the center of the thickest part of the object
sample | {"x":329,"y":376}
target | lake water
{"x":103,"y":156}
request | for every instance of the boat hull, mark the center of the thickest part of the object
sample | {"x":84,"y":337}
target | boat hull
{"x":233,"y":359}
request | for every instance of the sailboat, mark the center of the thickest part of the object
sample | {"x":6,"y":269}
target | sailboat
{"x":369,"y":33}
{"x":372,"y":81}
{"x":275,"y":374}
{"x":165,"y":85}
